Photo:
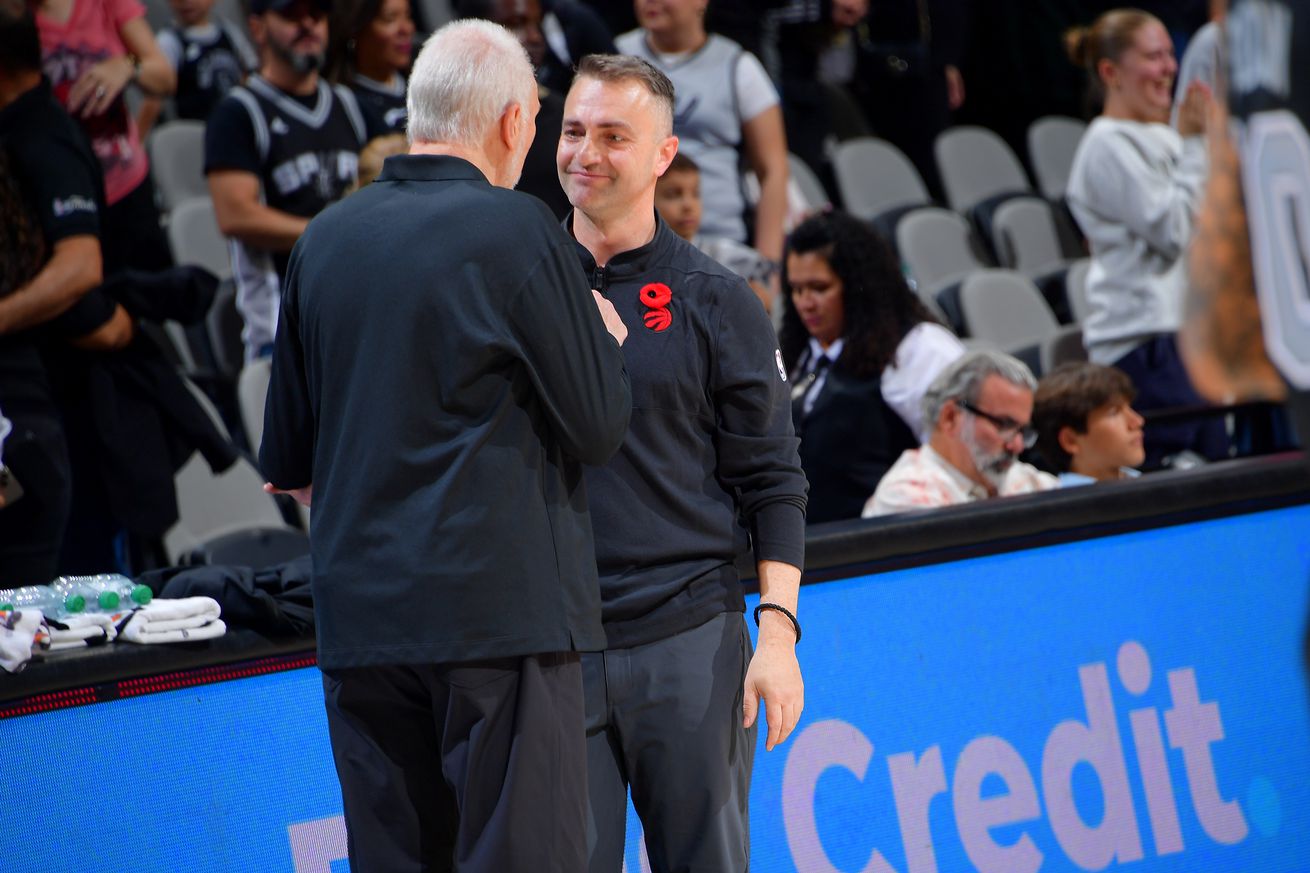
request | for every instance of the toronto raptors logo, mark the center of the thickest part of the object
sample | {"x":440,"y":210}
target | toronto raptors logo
{"x":656,"y":297}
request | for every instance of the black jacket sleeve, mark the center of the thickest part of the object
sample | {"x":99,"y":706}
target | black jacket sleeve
{"x":286,"y":456}
{"x":575,"y":365}
{"x":758,"y":450}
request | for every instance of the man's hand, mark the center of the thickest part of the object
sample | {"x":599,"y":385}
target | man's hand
{"x":610,"y":316}
{"x":302,"y":495}
{"x":775,"y":675}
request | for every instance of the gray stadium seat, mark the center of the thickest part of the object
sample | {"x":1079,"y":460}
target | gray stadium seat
{"x":177,"y":162}
{"x":210,"y":504}
{"x":936,"y":246}
{"x":803,"y":177}
{"x":1075,"y":286}
{"x":874,"y":177}
{"x":252,"y":391}
{"x":1005,"y":308}
{"x":1025,"y":236}
{"x":1063,"y":347}
{"x":1052,"y":141}
{"x":195,"y":238}
{"x":977,"y":165}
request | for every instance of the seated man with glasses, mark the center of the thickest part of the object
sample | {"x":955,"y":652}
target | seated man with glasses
{"x":981,"y":411}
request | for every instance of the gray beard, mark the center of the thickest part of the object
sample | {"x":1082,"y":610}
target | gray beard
{"x":992,"y":467}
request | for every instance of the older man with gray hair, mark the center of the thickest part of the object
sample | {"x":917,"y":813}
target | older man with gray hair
{"x":440,"y":376}
{"x":981,"y":410}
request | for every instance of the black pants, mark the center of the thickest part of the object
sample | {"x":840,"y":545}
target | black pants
{"x":477,"y":767}
{"x":665,"y":718}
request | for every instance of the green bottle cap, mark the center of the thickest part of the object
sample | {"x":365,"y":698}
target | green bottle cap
{"x":142,"y":594}
{"x":75,"y":603}
{"x":108,"y":600}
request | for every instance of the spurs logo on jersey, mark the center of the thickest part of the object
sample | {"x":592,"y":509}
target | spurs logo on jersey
{"x":311,"y":153}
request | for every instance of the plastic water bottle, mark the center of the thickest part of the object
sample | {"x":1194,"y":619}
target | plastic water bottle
{"x":51,"y":603}
{"x":105,"y":592}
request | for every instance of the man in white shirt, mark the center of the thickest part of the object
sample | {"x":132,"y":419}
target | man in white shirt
{"x":981,"y":411}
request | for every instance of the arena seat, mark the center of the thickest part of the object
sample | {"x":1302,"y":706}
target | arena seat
{"x":977,"y":165}
{"x":252,"y":391}
{"x":875,"y":178}
{"x":194,"y":236}
{"x":1075,"y":286}
{"x":1052,"y":141}
{"x":937,"y":246}
{"x":210,"y":504}
{"x":1005,"y":308}
{"x":177,"y":162}
{"x":1063,"y":348}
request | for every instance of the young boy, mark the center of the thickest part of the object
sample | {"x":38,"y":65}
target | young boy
{"x":210,"y":55}
{"x":1086,"y":426}
{"x":677,"y":199}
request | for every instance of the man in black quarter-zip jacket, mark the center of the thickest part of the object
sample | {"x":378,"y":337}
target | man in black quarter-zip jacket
{"x":708,"y":469}
{"x":439,"y":373}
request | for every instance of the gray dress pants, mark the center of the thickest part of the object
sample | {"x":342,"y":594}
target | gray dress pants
{"x":665,"y":720}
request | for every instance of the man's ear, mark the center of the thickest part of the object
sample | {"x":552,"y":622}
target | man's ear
{"x":668,"y":149}
{"x":511,"y":124}
{"x":1068,"y":440}
{"x":948,"y":419}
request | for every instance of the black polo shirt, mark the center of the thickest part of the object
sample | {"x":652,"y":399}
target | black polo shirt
{"x":440,"y":374}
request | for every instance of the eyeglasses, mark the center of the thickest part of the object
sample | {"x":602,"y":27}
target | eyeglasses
{"x":1006,"y":428}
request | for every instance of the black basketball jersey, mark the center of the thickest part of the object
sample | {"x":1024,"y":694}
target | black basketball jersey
{"x":385,"y":102}
{"x":308,"y":152}
{"x":209,"y":62}
{"x":1269,"y":93}
{"x":305,"y":152}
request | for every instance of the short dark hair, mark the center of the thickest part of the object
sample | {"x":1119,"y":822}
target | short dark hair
{"x":682,"y":164}
{"x":20,"y":43}
{"x":622,"y":68}
{"x":1067,"y":397}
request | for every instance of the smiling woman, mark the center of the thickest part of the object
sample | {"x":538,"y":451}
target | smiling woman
{"x":371,"y":44}
{"x":1134,"y":189}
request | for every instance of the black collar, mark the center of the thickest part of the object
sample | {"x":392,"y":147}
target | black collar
{"x":429,"y":168}
{"x":634,"y":262}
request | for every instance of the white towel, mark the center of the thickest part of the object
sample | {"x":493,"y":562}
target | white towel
{"x":17,"y":636}
{"x":83,"y":629}
{"x":173,"y":621}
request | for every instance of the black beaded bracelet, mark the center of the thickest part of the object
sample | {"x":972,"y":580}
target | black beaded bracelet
{"x":785,"y":611}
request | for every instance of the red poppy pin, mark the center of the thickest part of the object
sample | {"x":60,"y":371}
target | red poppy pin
{"x":656,"y":297}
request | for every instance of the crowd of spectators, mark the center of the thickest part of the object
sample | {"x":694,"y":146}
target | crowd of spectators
{"x":302,"y":100}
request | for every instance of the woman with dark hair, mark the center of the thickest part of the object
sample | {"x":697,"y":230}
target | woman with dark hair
{"x":370,"y":45}
{"x":1134,"y":189}
{"x":860,"y":349}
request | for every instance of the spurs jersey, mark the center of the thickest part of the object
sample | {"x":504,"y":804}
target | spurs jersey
{"x":210,"y":60}
{"x":385,"y":101}
{"x":305,"y":151}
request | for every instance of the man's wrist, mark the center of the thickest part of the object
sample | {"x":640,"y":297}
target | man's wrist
{"x":777,"y":624}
